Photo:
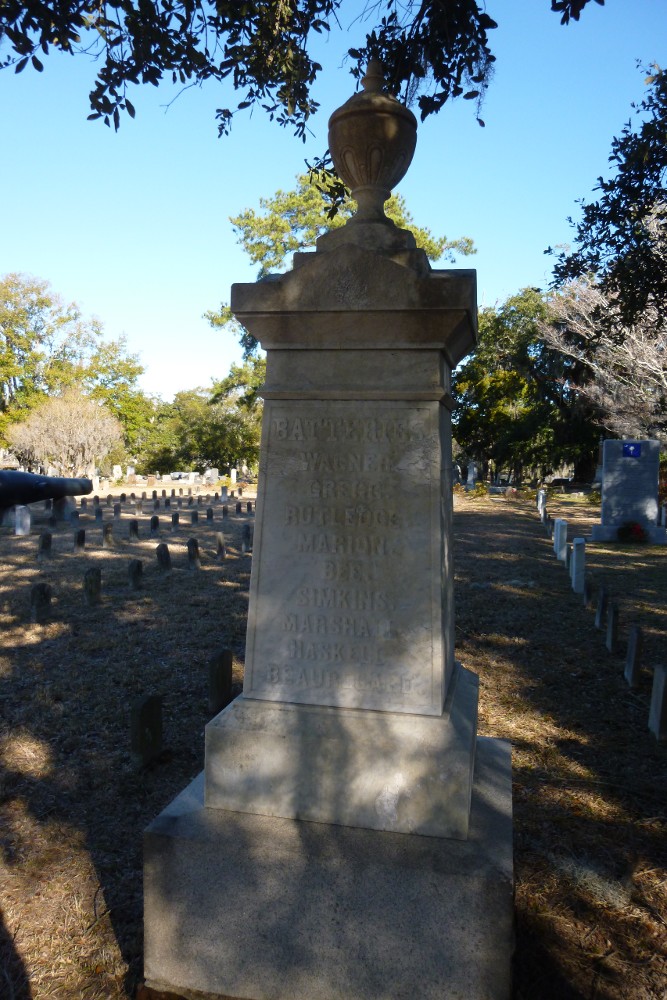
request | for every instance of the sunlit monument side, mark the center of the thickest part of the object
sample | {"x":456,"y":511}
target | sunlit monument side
{"x":350,"y":835}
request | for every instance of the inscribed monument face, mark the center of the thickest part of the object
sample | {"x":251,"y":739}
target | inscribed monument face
{"x":346,"y":603}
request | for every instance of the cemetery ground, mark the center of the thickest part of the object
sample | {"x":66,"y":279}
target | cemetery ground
{"x":589,"y":778}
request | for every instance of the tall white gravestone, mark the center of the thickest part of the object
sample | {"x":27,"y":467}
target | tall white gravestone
{"x":335,"y":804}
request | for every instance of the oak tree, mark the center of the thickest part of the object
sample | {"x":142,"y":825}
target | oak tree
{"x":621,"y":238}
{"x":70,"y":432}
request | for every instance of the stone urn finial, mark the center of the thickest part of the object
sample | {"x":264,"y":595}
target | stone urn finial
{"x":372,"y":139}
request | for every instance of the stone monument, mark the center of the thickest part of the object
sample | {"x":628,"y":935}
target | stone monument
{"x":350,"y":836}
{"x":630,"y":478}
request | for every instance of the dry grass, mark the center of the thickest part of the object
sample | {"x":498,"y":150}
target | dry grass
{"x":589,"y":780}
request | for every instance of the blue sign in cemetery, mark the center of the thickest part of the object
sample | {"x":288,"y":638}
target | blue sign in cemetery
{"x":632,"y":449}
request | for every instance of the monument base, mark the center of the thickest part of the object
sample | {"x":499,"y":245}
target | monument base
{"x":655,"y":534}
{"x":259,"y":908}
{"x":386,"y":771}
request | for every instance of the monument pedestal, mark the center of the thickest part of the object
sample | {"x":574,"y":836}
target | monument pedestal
{"x":260,"y":908}
{"x":376,"y":770}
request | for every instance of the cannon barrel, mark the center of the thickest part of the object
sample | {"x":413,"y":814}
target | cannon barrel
{"x":26,"y":487}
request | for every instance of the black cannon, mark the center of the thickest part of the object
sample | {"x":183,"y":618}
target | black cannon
{"x":25,"y":487}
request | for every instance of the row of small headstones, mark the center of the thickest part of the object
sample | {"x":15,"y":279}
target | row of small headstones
{"x":573,"y":557}
{"x":23,"y":521}
{"x":162,"y":553}
{"x":156,"y":502}
{"x":146,"y":731}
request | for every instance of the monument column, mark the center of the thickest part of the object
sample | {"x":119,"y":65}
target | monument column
{"x":356,"y":726}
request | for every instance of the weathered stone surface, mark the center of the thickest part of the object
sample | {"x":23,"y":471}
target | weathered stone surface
{"x":630,"y":489}
{"x":379,"y":770}
{"x":275,"y":909}
{"x":346,"y":607}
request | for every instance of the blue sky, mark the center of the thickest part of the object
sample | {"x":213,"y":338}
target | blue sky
{"x":134,"y":225}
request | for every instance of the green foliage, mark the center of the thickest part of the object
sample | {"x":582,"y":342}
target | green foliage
{"x":293,"y":220}
{"x":290,"y":221}
{"x":514,"y":404}
{"x":620,"y":238}
{"x":243,"y":384}
{"x":194,"y":432}
{"x":47,"y":347}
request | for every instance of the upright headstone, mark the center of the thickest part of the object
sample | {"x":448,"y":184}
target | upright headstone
{"x":146,"y":728}
{"x":80,"y":540}
{"x":221,"y":548}
{"x":62,"y":508}
{"x":633,"y":659}
{"x":22,"y":520}
{"x":560,"y":539}
{"x":155,"y":526}
{"x":194,"y":517}
{"x":601,"y":608}
{"x":108,"y":541}
{"x":135,"y":572}
{"x":209,"y":513}
{"x":44,"y":548}
{"x":578,"y":565}
{"x":92,"y":586}
{"x":630,"y":490}
{"x":588,"y":592}
{"x":194,"y":560}
{"x":657,"y":719}
{"x":133,"y":530}
{"x":473,"y":473}
{"x":246,"y":538}
{"x":117,"y":510}
{"x":612,"y":627}
{"x":40,"y":602}
{"x":175,"y":520}
{"x":163,"y":558}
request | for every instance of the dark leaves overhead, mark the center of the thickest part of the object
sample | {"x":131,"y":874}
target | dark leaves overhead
{"x":433,"y":50}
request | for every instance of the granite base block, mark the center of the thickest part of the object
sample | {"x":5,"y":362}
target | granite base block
{"x":375,"y":770}
{"x":263,"y":908}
